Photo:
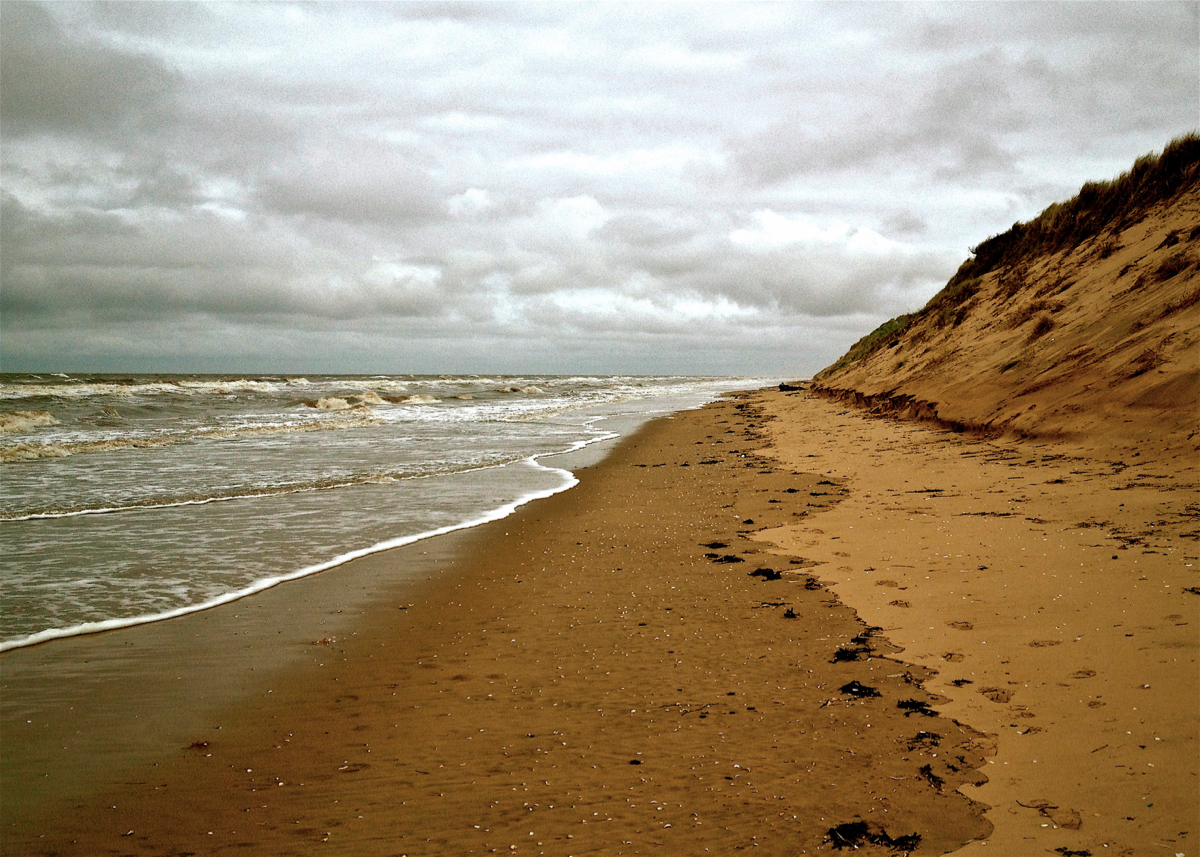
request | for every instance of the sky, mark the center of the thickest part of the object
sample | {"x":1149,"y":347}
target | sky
{"x":518,"y":187}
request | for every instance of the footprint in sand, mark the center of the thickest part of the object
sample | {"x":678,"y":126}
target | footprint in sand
{"x":996,"y":694}
{"x":899,"y":603}
{"x":1085,"y":673}
{"x":1041,"y":644}
{"x":961,"y":626}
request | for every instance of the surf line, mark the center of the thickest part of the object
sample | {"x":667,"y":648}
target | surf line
{"x":568,"y":480}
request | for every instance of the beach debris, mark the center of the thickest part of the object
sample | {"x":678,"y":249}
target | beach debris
{"x":727,"y":558}
{"x":790,"y":614}
{"x":845,"y":654}
{"x":852,"y":834}
{"x":924,"y":740}
{"x":198,"y":745}
{"x":714,"y":545}
{"x":1072,"y":852}
{"x":858,"y":690}
{"x":926,"y":772}
{"x":813,"y":584}
{"x":916,"y":706}
{"x":960,"y":682}
{"x":766,"y":574}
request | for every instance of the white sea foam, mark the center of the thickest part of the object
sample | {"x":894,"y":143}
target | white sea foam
{"x":23,"y":421}
{"x":355,"y":418}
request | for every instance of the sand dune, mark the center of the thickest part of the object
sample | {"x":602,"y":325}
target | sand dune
{"x":1097,"y":341}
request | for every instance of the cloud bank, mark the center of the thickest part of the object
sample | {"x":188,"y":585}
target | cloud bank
{"x":511,"y":187}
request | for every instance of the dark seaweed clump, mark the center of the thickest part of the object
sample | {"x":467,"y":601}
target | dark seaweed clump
{"x":916,"y":706}
{"x":844,"y":654}
{"x":766,"y":574}
{"x":852,"y":834}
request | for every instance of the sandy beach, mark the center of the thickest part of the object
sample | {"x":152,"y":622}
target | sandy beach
{"x":772,"y":623}
{"x":1051,"y":588}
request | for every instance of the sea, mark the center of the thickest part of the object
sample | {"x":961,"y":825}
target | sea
{"x":138,"y":498}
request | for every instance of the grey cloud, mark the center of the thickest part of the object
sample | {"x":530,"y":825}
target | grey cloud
{"x":351,"y":185}
{"x":906,"y":223}
{"x":53,"y":82}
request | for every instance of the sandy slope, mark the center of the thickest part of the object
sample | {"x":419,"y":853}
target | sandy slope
{"x":1100,"y":344}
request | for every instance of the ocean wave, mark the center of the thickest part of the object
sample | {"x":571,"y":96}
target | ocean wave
{"x":204,"y":499}
{"x":126,"y":388}
{"x":529,"y":390}
{"x":258,"y":491}
{"x":32,"y":452}
{"x":327,"y":403}
{"x":23,"y":452}
{"x":413,"y":400}
{"x":23,"y":421}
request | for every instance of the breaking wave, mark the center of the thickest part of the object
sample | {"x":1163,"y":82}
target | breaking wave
{"x":23,"y":421}
{"x":61,"y":449}
{"x":413,"y":400}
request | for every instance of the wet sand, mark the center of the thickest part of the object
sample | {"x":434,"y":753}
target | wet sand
{"x":651,"y":662}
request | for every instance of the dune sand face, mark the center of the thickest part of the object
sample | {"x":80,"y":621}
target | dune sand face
{"x":1056,"y":594}
{"x":667,"y":659}
{"x":1100,"y":342}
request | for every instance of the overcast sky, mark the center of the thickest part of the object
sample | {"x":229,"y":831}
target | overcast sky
{"x":736,"y":188}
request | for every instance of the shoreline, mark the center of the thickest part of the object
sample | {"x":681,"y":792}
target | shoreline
{"x":675,"y":700}
{"x":487,"y":516}
{"x":681,"y":653}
